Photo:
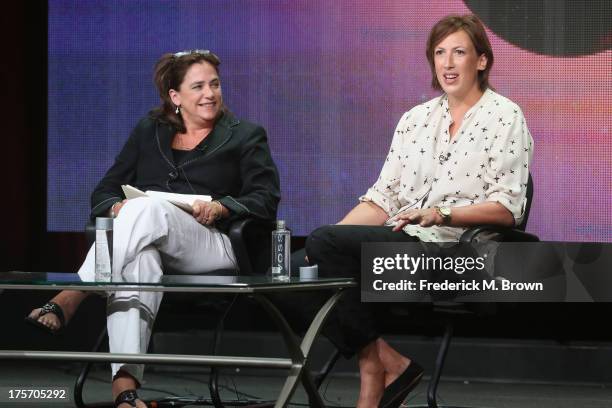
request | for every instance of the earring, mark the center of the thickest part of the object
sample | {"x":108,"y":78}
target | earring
{"x":178,"y":110}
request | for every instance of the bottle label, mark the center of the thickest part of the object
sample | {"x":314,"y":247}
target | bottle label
{"x":280,"y":254}
{"x":280,"y":249}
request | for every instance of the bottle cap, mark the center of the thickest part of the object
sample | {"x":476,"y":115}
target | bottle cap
{"x":309,"y":272}
{"x":104,"y":223}
{"x":280,"y":224}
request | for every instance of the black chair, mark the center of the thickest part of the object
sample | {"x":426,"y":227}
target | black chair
{"x":449,"y":311}
{"x":251,"y":241}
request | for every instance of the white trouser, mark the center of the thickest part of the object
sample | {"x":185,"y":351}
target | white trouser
{"x":147,"y":234}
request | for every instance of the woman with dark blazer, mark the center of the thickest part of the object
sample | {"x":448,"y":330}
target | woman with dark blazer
{"x":191,"y":144}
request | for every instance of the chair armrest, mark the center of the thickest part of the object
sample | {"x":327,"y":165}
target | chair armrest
{"x":236,"y":234}
{"x":251,"y":241}
{"x":497,"y":233}
{"x":90,"y":232}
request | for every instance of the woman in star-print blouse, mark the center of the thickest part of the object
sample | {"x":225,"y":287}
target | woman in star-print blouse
{"x":479,"y":171}
{"x":459,"y":160}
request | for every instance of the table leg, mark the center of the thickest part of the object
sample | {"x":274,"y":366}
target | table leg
{"x":299,"y":353}
{"x":80,"y":382}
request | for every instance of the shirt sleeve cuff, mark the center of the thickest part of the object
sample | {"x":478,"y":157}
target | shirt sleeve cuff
{"x":517,"y":210}
{"x":234,"y":206}
{"x":388,"y":205}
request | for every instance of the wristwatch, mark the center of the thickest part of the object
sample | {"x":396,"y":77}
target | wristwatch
{"x":445,"y":213}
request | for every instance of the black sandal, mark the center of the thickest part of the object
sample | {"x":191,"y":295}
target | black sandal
{"x":49,"y":307}
{"x":395,"y":393}
{"x":128,"y":397}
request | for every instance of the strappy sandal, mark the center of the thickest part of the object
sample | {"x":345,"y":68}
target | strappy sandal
{"x":127,"y":397}
{"x":49,"y":307}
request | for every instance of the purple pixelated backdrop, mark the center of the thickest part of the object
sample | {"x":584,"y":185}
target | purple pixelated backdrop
{"x":328,"y":80}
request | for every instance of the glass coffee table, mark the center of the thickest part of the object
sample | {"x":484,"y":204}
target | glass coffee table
{"x":258,"y":287}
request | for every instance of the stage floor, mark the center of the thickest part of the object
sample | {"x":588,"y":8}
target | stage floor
{"x":339,"y":390}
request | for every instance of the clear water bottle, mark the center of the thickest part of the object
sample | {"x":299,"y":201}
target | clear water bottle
{"x":281,"y":252}
{"x":104,"y":249}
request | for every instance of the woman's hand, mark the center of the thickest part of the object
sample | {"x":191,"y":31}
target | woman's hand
{"x":425,"y":217}
{"x":206,"y":213}
{"x":114,"y":210}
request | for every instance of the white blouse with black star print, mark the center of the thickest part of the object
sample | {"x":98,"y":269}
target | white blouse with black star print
{"x":487,"y":160}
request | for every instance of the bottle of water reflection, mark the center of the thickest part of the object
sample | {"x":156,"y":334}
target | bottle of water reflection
{"x":281,"y":252}
{"x":104,"y":249}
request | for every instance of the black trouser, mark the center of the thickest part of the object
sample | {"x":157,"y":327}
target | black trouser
{"x":337,"y":250}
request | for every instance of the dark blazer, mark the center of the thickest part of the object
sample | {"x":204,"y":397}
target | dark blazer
{"x":233,"y":165}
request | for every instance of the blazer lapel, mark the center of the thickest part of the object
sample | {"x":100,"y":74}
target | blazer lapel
{"x":164,"y":134}
{"x":221,"y":133}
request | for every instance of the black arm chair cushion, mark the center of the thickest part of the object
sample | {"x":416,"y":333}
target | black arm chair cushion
{"x":252,"y":242}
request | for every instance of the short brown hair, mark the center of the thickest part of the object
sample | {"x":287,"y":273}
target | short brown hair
{"x":169,"y":73}
{"x":475,"y":30}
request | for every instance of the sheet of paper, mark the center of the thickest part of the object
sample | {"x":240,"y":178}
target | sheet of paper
{"x":183,"y":201}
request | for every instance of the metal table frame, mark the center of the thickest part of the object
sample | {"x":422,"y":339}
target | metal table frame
{"x":299,"y":353}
